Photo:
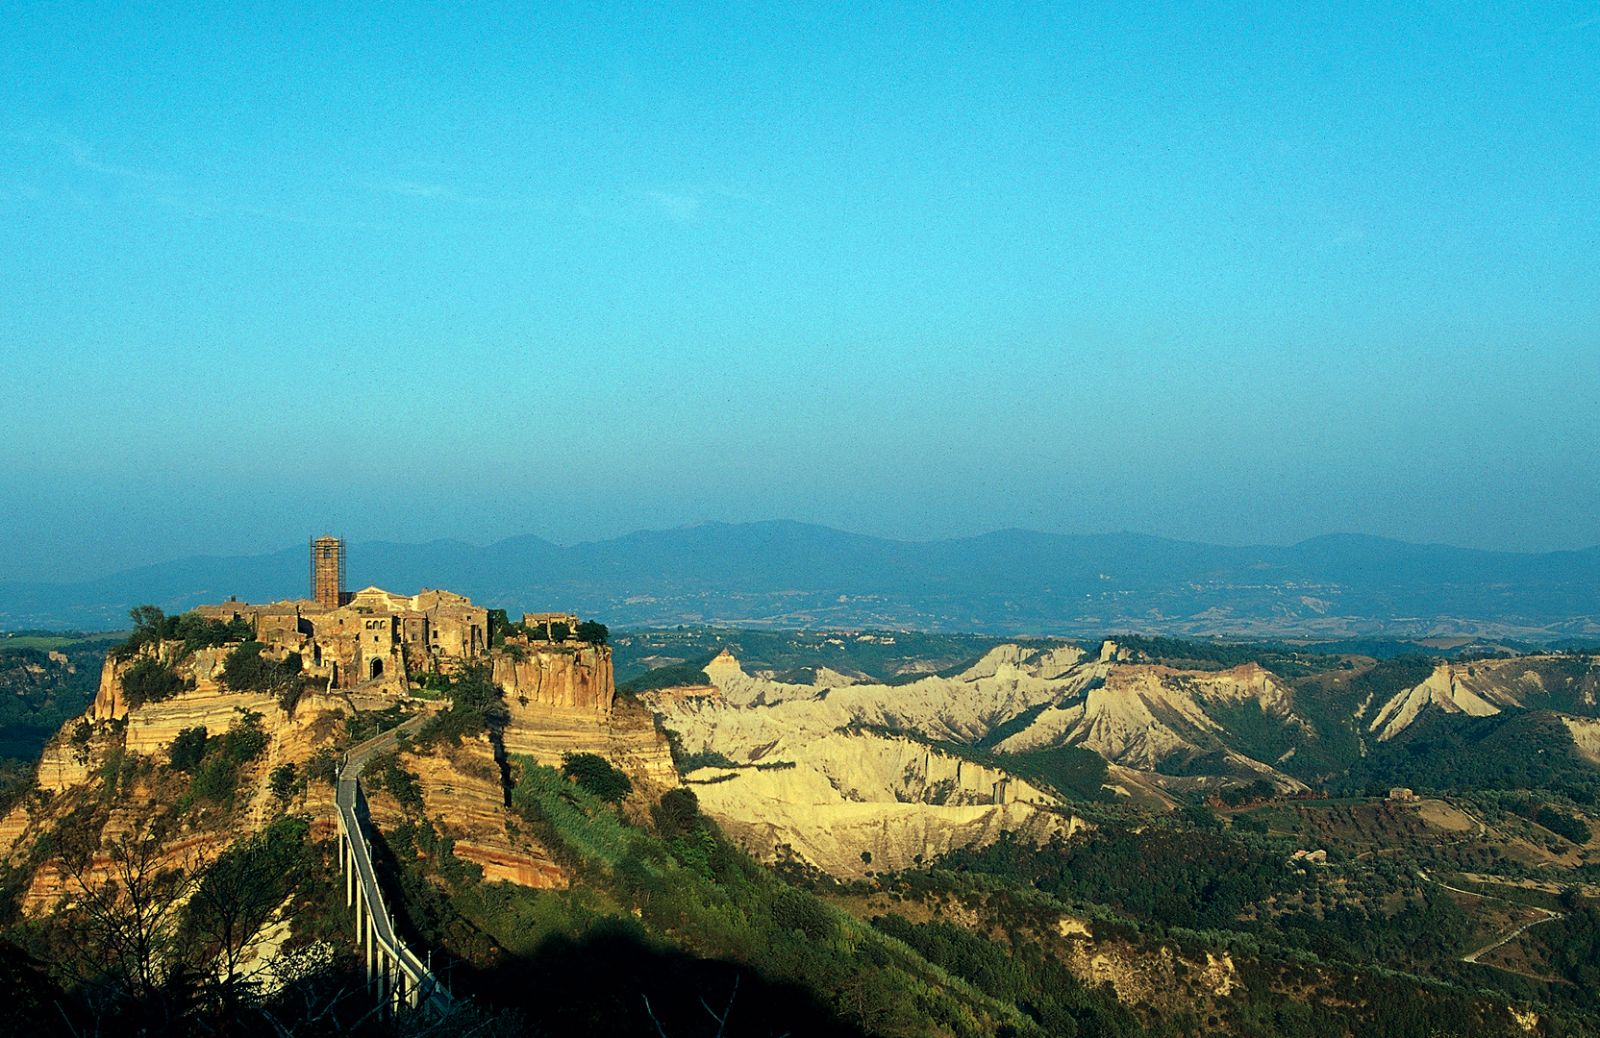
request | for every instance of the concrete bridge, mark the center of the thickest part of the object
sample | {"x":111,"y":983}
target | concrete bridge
{"x":394,"y":973}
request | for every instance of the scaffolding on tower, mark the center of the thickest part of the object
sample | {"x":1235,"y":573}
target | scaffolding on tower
{"x":327,"y":571}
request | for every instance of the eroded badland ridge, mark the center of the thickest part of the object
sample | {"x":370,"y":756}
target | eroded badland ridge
{"x":819,"y":770}
{"x":1124,"y":836}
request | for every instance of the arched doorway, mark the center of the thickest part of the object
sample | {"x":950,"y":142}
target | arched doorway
{"x":377,"y":669}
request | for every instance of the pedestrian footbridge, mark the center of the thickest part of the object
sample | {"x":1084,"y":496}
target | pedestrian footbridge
{"x":394,"y":973}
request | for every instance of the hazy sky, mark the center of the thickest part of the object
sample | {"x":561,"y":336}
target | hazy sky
{"x":1243,"y":273}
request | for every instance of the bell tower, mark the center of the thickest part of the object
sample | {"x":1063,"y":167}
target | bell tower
{"x":327,"y":571}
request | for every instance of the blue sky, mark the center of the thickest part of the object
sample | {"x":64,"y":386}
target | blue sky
{"x":1242,"y":273}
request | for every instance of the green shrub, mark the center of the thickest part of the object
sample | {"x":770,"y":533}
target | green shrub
{"x":477,"y":705}
{"x":1563,"y":824}
{"x":215,"y":780}
{"x":704,"y":759}
{"x":386,"y":772}
{"x":1250,"y":824}
{"x":247,"y":670}
{"x":152,"y":626}
{"x":216,"y":777}
{"x":198,"y":632}
{"x":596,"y":775}
{"x":150,"y":681}
{"x":677,"y":813}
{"x":245,"y":741}
{"x":572,"y":816}
{"x":794,"y":910}
{"x":188,"y":749}
{"x":323,"y":766}
{"x":282,"y":782}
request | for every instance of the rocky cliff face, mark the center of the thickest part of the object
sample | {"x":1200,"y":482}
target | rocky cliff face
{"x":1165,"y":979}
{"x":576,"y":680}
{"x":104,"y":774}
{"x":1585,"y":736}
{"x":110,"y":702}
{"x":149,"y":728}
{"x":819,"y":782}
{"x":825,"y":801}
{"x":1138,"y":715}
{"x":563,"y":700}
{"x":628,"y":737}
{"x":463,"y":794}
{"x":1006,"y":682}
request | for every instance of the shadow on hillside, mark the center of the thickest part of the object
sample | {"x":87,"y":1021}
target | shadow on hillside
{"x":610,"y":982}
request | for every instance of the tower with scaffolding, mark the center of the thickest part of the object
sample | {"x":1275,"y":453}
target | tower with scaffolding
{"x":327,"y":571}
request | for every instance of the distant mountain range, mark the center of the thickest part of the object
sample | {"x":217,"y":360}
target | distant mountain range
{"x":795,"y":575}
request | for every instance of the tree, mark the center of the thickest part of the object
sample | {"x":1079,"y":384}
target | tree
{"x":149,"y":623}
{"x":796,"y":910}
{"x":499,"y":627}
{"x":235,"y":898}
{"x":199,"y":632}
{"x":282,"y":781}
{"x":150,"y":681}
{"x":677,"y":813}
{"x":1200,"y":816}
{"x":217,"y":776}
{"x":477,"y":705}
{"x":188,"y":749}
{"x":82,"y":732}
{"x":593,"y":633}
{"x":247,"y":670}
{"x":323,"y":766}
{"x":595,"y":774}
{"x":127,"y":921}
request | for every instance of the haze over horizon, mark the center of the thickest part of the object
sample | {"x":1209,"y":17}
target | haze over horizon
{"x":1240,"y":277}
{"x":294,"y":545}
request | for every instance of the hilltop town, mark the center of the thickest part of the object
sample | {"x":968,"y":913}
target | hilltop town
{"x":303,"y":677}
{"x":345,"y":639}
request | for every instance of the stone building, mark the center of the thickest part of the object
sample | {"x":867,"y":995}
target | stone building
{"x":375,"y":634}
{"x":550,"y":623}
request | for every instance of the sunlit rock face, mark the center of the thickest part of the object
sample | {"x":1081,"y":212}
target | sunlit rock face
{"x":562,"y":700}
{"x":464,"y":797}
{"x":576,"y":679}
{"x":849,"y":802}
